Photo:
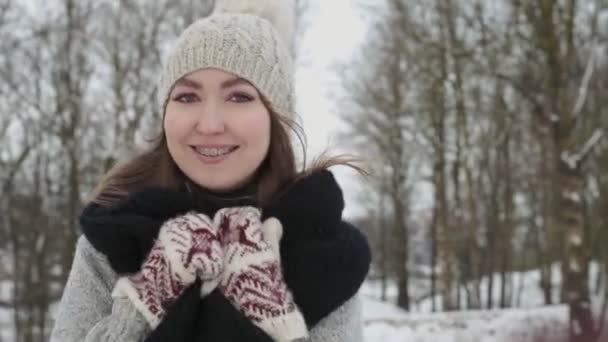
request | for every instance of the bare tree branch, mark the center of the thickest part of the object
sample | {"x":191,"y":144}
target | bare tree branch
{"x":584,"y":86}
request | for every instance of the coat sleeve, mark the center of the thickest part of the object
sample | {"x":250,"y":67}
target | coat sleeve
{"x":345,"y":324}
{"x":87,"y":312}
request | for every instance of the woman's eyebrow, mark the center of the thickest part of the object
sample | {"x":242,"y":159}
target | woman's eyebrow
{"x":234,"y":81}
{"x":186,"y":82}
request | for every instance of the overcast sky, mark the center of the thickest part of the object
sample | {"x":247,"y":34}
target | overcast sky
{"x":335,"y":31}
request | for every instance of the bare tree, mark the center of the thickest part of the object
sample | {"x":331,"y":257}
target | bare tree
{"x":507,"y":103}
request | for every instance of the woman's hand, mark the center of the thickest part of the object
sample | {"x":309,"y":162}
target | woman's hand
{"x":187,"y":247}
{"x":253,"y":279}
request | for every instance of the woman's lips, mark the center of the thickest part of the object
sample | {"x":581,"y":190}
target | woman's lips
{"x":211,"y":159}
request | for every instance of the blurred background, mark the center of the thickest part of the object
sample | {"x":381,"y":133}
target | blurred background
{"x":484,"y":125}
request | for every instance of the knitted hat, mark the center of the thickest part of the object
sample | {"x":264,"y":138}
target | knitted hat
{"x":245,"y":44}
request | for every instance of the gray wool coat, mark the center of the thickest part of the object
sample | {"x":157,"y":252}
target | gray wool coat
{"x":88,"y":313}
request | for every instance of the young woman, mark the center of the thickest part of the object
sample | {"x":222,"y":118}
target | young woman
{"x":213,"y":234}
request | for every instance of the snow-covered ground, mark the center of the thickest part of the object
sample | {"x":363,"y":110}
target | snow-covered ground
{"x":385,"y":322}
{"x":529,"y":322}
{"x":525,"y":289}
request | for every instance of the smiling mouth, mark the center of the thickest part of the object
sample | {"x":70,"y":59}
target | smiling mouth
{"x":214,"y":152}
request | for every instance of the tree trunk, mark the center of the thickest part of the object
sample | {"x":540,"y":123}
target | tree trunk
{"x":403,"y":299}
{"x":575,"y":289}
{"x":434,"y":242}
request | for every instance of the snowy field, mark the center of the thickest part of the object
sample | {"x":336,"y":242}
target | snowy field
{"x":529,"y":322}
{"x":385,"y":322}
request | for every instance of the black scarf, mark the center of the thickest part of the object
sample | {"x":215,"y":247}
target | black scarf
{"x":324,"y":258}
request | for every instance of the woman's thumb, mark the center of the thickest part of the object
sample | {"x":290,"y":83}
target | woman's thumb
{"x":272,"y":231}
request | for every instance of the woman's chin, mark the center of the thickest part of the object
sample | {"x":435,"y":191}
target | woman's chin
{"x":222,"y":188}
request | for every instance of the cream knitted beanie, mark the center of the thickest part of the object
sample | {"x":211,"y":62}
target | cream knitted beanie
{"x":246,"y":44}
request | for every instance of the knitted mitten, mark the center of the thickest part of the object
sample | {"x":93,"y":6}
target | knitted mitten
{"x":187,"y":247}
{"x":253,"y":279}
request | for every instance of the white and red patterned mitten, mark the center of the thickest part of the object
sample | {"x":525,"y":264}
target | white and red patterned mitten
{"x":187,"y":247}
{"x":253,"y":279}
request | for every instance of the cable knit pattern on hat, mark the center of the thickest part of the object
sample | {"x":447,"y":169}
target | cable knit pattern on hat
{"x":243,"y":44}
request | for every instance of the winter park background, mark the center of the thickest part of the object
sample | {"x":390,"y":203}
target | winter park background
{"x":483,"y":125}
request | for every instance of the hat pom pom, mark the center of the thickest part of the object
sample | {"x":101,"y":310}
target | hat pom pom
{"x":281,"y":13}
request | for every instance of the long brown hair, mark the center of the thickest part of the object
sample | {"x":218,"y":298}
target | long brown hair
{"x":156,"y":167}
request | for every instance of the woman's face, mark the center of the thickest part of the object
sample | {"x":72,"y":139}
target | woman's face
{"x":217,"y":128}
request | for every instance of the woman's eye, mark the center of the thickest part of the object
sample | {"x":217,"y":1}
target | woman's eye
{"x":241,"y":97}
{"x":186,"y":98}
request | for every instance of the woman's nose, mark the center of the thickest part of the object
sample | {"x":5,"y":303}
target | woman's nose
{"x":210,"y":119}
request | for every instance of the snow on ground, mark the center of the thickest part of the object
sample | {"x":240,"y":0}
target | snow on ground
{"x":531,"y":321}
{"x":385,"y":322}
{"x":526,"y":292}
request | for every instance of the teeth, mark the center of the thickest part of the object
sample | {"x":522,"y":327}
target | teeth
{"x":214,"y":152}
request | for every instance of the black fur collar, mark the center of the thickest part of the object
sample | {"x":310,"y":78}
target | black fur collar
{"x":324,"y":259}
